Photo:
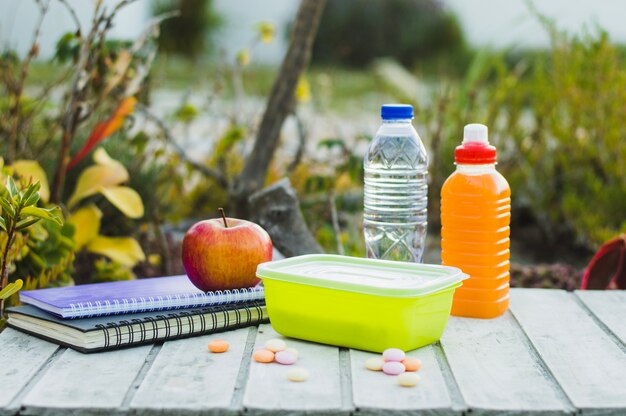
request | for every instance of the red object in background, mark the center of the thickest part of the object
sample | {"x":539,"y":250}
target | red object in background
{"x":607,"y":268}
{"x":104,"y":129}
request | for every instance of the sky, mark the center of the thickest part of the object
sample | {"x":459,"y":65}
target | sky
{"x":494,"y":23}
{"x":506,"y":23}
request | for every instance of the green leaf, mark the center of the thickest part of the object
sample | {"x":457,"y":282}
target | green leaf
{"x":67,"y":47}
{"x":3,"y":224}
{"x":30,"y":190}
{"x":12,"y":187}
{"x":50,"y":214}
{"x":330,"y":143}
{"x":25,"y":223}
{"x":11,"y":289}
{"x":31,"y":198}
{"x":186,"y":113}
{"x":7,"y":207}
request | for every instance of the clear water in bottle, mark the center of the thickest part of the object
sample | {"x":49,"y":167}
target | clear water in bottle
{"x":395,"y":189}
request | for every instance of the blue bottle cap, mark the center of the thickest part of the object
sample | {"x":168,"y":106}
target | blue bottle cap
{"x":396,"y":111}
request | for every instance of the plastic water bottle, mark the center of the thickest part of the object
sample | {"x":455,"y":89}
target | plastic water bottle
{"x":395,"y":189}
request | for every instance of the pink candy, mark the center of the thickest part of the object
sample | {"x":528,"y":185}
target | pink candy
{"x":285,"y":357}
{"x":393,"y":368}
{"x":393,"y":354}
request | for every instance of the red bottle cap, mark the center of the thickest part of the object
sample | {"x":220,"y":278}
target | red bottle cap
{"x":475,"y":149}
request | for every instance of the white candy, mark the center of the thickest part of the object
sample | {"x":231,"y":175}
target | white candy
{"x":374,"y":363}
{"x":275,"y":344}
{"x":408,"y":379}
{"x":293,"y":351}
{"x":297,"y":374}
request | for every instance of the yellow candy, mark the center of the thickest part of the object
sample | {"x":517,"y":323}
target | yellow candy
{"x":218,"y":345}
{"x":408,"y":379}
{"x":297,"y":374}
{"x":374,"y":363}
{"x":275,"y":345}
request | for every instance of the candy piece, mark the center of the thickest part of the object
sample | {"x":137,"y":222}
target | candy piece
{"x":218,"y":345}
{"x":412,"y":364}
{"x":374,"y":363}
{"x":285,"y":357}
{"x":293,"y":351}
{"x":297,"y":374}
{"x":408,"y":379}
{"x":275,"y":344}
{"x":393,"y":354}
{"x":393,"y":368}
{"x":263,"y":356}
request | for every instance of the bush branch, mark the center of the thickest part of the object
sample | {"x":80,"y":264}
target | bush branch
{"x":218,"y":176}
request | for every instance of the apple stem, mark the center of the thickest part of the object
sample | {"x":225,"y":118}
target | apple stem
{"x":221,"y":210}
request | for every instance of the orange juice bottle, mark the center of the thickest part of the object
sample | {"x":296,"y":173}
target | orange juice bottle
{"x":475,"y":218}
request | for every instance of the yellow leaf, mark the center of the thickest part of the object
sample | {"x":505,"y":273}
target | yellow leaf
{"x":266,"y":32}
{"x":124,"y":250}
{"x":303,"y":90}
{"x":87,"y":223}
{"x":31,"y":170}
{"x":96,"y":177}
{"x":125,"y":199}
{"x":101,"y":157}
{"x":11,"y":289}
{"x":154,"y":259}
{"x":243,"y":57}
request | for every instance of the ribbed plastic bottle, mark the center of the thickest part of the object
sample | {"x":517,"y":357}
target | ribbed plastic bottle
{"x":395,"y":189}
{"x":475,"y":218}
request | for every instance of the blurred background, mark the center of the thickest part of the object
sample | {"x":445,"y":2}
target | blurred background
{"x":173,"y":92}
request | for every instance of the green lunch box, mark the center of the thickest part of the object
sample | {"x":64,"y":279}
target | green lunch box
{"x":360,"y":303}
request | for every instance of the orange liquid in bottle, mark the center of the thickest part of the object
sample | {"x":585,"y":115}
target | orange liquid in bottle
{"x":475,"y":218}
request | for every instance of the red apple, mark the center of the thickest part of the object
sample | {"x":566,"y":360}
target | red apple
{"x":223,"y":253}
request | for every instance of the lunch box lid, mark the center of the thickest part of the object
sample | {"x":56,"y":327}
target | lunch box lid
{"x":369,"y":276}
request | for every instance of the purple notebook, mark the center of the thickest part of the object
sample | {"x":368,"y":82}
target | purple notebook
{"x":129,"y":296}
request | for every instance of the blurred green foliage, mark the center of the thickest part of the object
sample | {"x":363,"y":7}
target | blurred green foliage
{"x":356,"y":32}
{"x":190,"y":33}
{"x":557,"y":121}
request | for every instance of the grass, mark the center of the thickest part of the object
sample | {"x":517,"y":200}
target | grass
{"x":333,"y":88}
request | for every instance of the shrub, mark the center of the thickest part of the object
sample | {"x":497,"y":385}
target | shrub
{"x":189,"y":33}
{"x":357,"y":31}
{"x":557,"y":121}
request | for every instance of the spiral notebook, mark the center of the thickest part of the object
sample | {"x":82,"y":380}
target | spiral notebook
{"x":129,"y":296}
{"x":114,"y":332}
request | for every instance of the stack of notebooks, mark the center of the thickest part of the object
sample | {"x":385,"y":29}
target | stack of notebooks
{"x":106,"y":316}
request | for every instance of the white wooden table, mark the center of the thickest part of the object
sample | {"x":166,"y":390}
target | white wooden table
{"x":552,"y":353}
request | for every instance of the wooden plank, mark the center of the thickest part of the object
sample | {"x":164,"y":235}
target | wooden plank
{"x":587,"y":362}
{"x":496,"y":369}
{"x":609,"y":306}
{"x":186,"y":378}
{"x":379,"y":394}
{"x":268,"y":390}
{"x":21,"y":356}
{"x":92,"y":383}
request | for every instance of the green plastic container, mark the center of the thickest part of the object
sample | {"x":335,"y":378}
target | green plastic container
{"x":366,"y":304}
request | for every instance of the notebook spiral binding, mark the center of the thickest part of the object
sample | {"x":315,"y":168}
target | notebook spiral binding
{"x":153,"y":303}
{"x":181,"y":325}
